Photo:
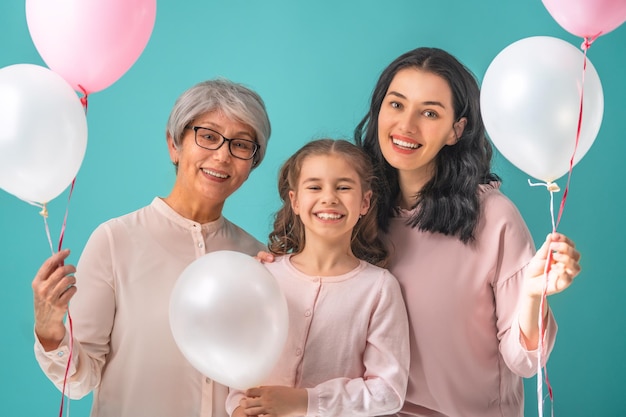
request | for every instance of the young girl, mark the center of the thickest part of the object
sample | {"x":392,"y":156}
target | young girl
{"x":461,"y":250}
{"x":347,"y":350}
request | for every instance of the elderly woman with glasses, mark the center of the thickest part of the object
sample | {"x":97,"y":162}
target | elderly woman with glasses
{"x":118,"y":341}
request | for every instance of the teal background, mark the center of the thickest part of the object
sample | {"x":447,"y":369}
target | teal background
{"x":315,"y":64}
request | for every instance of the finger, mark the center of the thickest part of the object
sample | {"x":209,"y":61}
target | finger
{"x":64,"y":284}
{"x":566,"y":250}
{"x":264,"y":257}
{"x":569,"y":265}
{"x":542,"y":252}
{"x":67,"y":294}
{"x":254,"y":411}
{"x":51,"y":264}
{"x":559,"y":237}
{"x":56,"y":279}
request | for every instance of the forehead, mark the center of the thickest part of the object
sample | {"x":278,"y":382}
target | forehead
{"x":327,"y":167}
{"x":227,"y":125}
{"x":417,"y":84}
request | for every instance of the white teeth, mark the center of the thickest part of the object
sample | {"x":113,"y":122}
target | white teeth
{"x":214,"y":174}
{"x":328,"y":216}
{"x":405,"y":144}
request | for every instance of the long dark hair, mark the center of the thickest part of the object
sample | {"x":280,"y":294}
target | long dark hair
{"x":449,"y":202}
{"x":288,"y":234}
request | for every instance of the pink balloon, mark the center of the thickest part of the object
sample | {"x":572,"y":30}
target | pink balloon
{"x":587,"y":18}
{"x":90,"y":43}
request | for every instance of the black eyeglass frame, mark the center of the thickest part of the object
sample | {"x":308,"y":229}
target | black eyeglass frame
{"x":224,"y":140}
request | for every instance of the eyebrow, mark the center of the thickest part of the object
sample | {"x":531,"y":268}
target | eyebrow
{"x":426,"y":103}
{"x":219,"y":128}
{"x":342,"y":179}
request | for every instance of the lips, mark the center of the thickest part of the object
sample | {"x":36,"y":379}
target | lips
{"x":405,"y":144}
{"x":329,"y":216}
{"x":215,"y":174}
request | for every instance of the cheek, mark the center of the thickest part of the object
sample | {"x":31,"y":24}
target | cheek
{"x":383,"y":121}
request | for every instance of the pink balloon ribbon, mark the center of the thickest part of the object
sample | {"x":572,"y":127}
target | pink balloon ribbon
{"x":586,"y":44}
{"x":83,"y":100}
{"x":67,"y":368}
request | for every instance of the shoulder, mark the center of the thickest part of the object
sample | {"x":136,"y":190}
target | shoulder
{"x":237,"y":231}
{"x":496,"y":206}
{"x":248,"y":243}
{"x":127,"y":219}
{"x":381,"y":275}
{"x":502,"y":230}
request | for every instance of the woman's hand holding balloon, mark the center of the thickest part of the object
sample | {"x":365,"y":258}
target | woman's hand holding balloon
{"x":564,"y":266}
{"x":53,"y":287}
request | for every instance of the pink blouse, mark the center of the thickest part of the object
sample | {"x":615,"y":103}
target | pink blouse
{"x":467,"y":358}
{"x":123,"y":346}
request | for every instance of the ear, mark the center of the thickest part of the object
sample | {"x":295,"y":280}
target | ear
{"x":294,"y":202}
{"x":457,"y":130}
{"x":366,"y":203}
{"x":171,"y":147}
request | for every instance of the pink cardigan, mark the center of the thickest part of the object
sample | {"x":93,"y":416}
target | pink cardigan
{"x":347,"y":341}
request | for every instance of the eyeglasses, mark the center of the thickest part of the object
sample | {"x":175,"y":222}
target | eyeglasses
{"x":210,"y":139}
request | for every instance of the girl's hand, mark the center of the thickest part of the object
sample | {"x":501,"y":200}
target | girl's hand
{"x":275,"y":401}
{"x":564,"y":267}
{"x":53,"y":287}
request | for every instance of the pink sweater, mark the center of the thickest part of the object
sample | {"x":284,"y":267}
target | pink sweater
{"x":347,"y":341}
{"x":466,"y":355}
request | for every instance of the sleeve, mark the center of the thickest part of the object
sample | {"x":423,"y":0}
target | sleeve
{"x":232,"y":401}
{"x":515,"y":249}
{"x":382,"y":388}
{"x":92,"y":310}
{"x":517,"y":357}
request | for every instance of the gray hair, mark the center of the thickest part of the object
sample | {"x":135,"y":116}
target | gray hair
{"x":235,"y":100}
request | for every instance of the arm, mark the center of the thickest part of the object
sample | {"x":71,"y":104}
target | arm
{"x":563,"y":268}
{"x":93,"y":311}
{"x":381,"y":387}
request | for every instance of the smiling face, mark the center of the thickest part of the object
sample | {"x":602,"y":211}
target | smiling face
{"x":205,"y":178}
{"x":329,"y":198}
{"x":416,"y":120}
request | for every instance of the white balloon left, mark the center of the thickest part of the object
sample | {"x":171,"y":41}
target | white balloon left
{"x":229,"y":318}
{"x":43,"y":133}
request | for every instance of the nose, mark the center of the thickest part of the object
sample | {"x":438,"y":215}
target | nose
{"x":222,"y":153}
{"x":407,"y":121}
{"x":330,"y":197}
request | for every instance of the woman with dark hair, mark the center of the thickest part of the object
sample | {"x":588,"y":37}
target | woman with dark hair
{"x":472,"y":282}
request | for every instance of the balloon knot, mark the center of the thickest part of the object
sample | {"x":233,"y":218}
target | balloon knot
{"x":553,"y":187}
{"x":83,"y":99}
{"x":44,"y":211}
{"x":588,"y":40}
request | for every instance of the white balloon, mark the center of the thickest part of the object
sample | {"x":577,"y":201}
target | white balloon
{"x":43,"y":132}
{"x":229,"y":318}
{"x":530,"y":103}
